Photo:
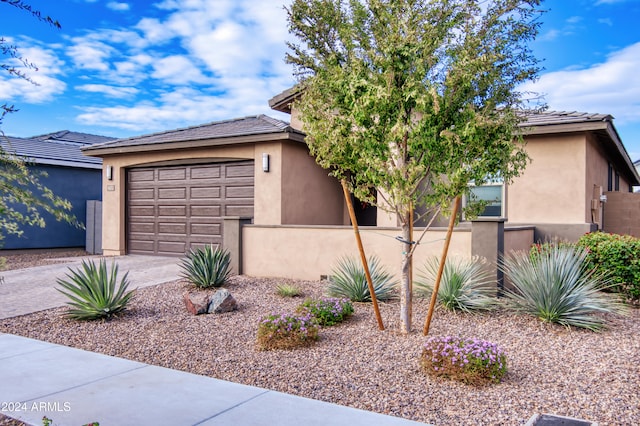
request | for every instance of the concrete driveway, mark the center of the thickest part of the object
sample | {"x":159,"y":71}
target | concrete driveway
{"x":24,"y":291}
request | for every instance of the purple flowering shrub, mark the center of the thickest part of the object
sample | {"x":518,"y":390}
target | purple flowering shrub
{"x":328,"y":310}
{"x":471,"y":361}
{"x":287,"y":331}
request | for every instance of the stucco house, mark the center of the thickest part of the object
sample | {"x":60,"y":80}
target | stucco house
{"x":250,"y":185}
{"x":70,"y":175}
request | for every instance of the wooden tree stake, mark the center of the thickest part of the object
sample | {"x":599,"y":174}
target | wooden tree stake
{"x":445,"y":250}
{"x":354,"y":222}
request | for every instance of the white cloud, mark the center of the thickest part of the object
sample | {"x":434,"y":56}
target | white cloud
{"x":606,"y":21}
{"x":90,"y":55}
{"x":177,"y":70}
{"x":611,"y":87}
{"x":111,"y":91}
{"x":46,"y":77}
{"x":118,"y":6}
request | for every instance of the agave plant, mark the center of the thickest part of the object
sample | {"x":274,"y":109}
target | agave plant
{"x":465,"y":285}
{"x":94,"y":291}
{"x":348,"y":280}
{"x":206,"y":266}
{"x":557,"y":286}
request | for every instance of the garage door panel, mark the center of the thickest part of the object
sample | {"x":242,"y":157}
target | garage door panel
{"x":173,"y":209}
{"x":143,"y":194}
{"x":141,"y":176}
{"x":172,"y":174}
{"x":142,"y":211}
{"x":141,"y":246}
{"x":239,"y":192}
{"x":172,"y":193}
{"x":206,"y":229}
{"x":205,"y":211}
{"x":206,"y":193}
{"x":142,"y":227}
{"x":245,"y":211}
{"x":172,"y":247}
{"x":205,"y":172}
{"x":172,"y":228}
{"x":239,"y":170}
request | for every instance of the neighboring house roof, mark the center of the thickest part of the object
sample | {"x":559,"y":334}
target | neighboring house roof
{"x":66,"y":136}
{"x":601,"y":125}
{"x":258,"y":128}
{"x":49,"y":152}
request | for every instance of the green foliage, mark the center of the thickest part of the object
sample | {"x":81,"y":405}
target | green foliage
{"x":348,"y":280}
{"x":328,"y":311}
{"x":471,"y":361}
{"x":619,"y":257}
{"x":465,"y":284}
{"x":558,"y":286}
{"x":206,"y":266}
{"x":287,"y":331}
{"x":288,"y":290}
{"x":93,"y":291}
{"x":415,"y":98}
{"x":544,"y":248}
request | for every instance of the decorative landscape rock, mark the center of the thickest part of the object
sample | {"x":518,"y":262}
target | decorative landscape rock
{"x":222,"y":301}
{"x":196,"y":303}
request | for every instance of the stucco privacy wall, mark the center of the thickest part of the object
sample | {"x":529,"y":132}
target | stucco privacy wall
{"x":307,"y":252}
{"x":621,"y":213}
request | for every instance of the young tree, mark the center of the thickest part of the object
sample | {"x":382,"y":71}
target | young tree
{"x":22,"y":195}
{"x":415,"y":98}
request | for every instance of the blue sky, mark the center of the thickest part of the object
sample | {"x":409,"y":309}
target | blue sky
{"x":125,"y":68}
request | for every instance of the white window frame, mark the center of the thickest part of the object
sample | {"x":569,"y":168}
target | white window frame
{"x":503,"y":199}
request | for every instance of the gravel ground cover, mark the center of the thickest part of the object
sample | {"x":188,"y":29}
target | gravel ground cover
{"x":552,"y":369}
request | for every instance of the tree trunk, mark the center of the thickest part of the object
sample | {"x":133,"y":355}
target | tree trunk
{"x":405,"y":278}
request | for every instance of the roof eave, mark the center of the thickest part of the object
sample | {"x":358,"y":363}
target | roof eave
{"x":587,"y":126}
{"x":282,"y":101}
{"x":294,"y":136}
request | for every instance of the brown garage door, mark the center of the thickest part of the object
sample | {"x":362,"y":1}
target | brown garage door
{"x":172,"y":209}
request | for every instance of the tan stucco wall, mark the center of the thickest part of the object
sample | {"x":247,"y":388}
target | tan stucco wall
{"x":552,"y":187}
{"x":622,"y":213}
{"x":309,"y":195}
{"x":309,"y":252}
{"x":267,"y":208}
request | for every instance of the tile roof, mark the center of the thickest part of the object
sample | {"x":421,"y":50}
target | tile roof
{"x":49,"y":152}
{"x":548,"y":118}
{"x":66,"y":136}
{"x":254,"y":125}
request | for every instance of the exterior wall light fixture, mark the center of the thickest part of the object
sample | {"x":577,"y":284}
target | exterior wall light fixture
{"x":265,"y":162}
{"x":109,"y":172}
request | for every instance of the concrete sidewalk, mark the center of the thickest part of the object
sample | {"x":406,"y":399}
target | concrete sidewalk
{"x":24,"y":291}
{"x":75,"y":387}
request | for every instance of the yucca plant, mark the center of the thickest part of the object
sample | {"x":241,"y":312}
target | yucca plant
{"x":465,"y":285}
{"x":557,"y":286}
{"x":348,"y":280}
{"x":94,"y":291}
{"x":206,"y":266}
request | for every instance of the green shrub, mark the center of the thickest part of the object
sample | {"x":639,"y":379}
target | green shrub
{"x":557,"y":286}
{"x":206,"y":266}
{"x":349,"y":280}
{"x":328,"y":310}
{"x":471,"y":361}
{"x":542,"y":248}
{"x":465,"y":284}
{"x":619,"y":257}
{"x":93,"y":291}
{"x":288,"y":290}
{"x":287,"y":331}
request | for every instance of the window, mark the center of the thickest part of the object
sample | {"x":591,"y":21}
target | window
{"x":610,"y":178}
{"x":617,"y":182}
{"x":494,"y":194}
